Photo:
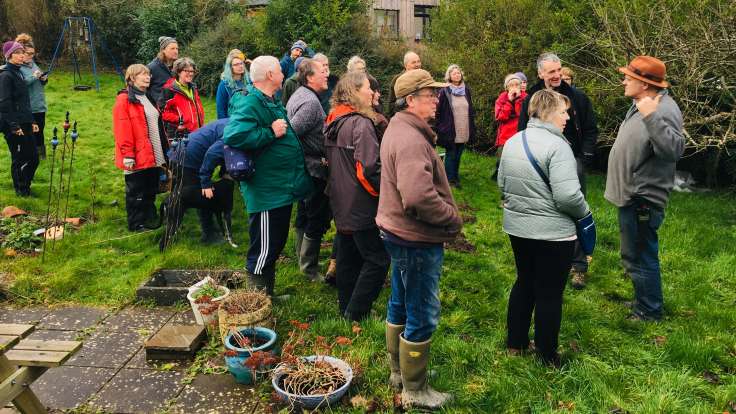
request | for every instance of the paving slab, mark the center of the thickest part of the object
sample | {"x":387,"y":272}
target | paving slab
{"x":54,"y":335}
{"x":108,"y":349}
{"x":183,"y":318}
{"x":68,"y":387}
{"x":139,"y":391}
{"x":139,"y":319}
{"x":217,"y":394}
{"x":73,"y":318}
{"x":30,"y":315}
{"x":139,"y":361}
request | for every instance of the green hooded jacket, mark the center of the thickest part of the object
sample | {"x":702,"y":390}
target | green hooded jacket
{"x":280,"y":177}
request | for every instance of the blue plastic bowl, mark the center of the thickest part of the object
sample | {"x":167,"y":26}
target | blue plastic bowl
{"x":311,"y":402}
{"x":242,"y":373}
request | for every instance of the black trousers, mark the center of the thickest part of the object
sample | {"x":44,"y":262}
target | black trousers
{"x":191,"y":193}
{"x":24,"y":158}
{"x":314,"y":214}
{"x":268,"y":232}
{"x":362,"y":265}
{"x":140,"y":196}
{"x":542,"y":268}
{"x":40,"y":119}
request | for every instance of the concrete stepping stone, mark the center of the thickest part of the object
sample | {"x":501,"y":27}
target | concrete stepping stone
{"x":138,"y":319}
{"x":108,"y":349}
{"x":139,"y":391}
{"x":183,"y":318}
{"x":217,"y":394}
{"x":29,"y":315}
{"x":72,"y":318}
{"x":68,"y":387}
{"x":176,"y":342}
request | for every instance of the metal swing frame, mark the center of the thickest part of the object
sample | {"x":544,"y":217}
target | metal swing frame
{"x":90,"y":32}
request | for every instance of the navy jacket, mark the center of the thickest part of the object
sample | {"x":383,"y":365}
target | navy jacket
{"x":160,"y":74}
{"x":205,"y":151}
{"x":445,"y":121}
{"x":15,"y":103}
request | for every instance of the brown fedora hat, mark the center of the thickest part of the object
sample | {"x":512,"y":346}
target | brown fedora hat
{"x":647,"y":69}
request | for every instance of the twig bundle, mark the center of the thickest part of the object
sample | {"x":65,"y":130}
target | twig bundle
{"x":246,"y":301}
{"x":304,"y":377}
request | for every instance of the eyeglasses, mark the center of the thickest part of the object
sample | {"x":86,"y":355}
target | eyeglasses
{"x":30,"y":53}
{"x":189,"y":71}
{"x":434,"y":94}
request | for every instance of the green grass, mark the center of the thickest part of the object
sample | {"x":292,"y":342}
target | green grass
{"x":611,"y":363}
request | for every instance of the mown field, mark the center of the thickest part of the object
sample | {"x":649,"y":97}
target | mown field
{"x":684,"y":364}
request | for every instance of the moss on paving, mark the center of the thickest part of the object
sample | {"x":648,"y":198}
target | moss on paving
{"x":613,"y":365}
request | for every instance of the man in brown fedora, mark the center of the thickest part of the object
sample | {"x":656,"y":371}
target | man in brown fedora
{"x":416,"y":215}
{"x":641,"y":173}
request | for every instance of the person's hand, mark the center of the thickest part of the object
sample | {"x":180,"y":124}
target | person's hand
{"x":279,"y":128}
{"x":37,"y":74}
{"x":18,"y":132}
{"x":648,"y":105}
{"x":128,"y":163}
{"x":35,"y":128}
{"x":514,"y":93}
{"x":208,"y":192}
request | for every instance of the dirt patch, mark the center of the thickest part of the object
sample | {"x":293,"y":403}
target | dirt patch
{"x":467,"y":213}
{"x":461,"y":244}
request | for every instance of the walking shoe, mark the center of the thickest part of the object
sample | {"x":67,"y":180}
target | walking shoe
{"x":635,"y":316}
{"x":577,"y":279}
{"x":331,"y":275}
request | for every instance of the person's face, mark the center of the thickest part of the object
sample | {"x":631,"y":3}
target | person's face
{"x":567,"y":79}
{"x":424,"y":103}
{"x":551,"y":74}
{"x":414,"y":62}
{"x":295,"y":53}
{"x":187,"y":75}
{"x":514,"y":85}
{"x":365,"y":93}
{"x":29,"y":54}
{"x":238,"y":66}
{"x":318,"y":81}
{"x":559,"y":117}
{"x":326,"y":64}
{"x":523,"y":85}
{"x":18,"y":57}
{"x":171,"y":52}
{"x":142,"y":80}
{"x":456,"y":76}
{"x":276,"y":77}
{"x":633,"y":88}
{"x":376,"y":97}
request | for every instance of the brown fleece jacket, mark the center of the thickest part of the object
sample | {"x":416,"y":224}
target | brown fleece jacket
{"x":416,"y":202}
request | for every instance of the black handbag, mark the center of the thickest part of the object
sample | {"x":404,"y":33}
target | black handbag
{"x":585,"y":226}
{"x":239,"y":164}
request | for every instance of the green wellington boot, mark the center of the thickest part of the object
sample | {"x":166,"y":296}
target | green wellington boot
{"x":413,"y":359}
{"x":393,"y":332}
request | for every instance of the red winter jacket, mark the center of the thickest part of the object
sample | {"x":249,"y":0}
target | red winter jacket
{"x":507,"y":116}
{"x":176,"y":103}
{"x":131,"y":133}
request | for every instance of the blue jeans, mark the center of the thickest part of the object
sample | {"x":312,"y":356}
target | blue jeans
{"x":452,"y":162}
{"x":638,"y":224}
{"x":415,"y":289}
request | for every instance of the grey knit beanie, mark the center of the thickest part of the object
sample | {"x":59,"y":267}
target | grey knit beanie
{"x":164,"y":41}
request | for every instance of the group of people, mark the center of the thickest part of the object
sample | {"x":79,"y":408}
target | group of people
{"x":325,"y":144}
{"x":23,"y":110}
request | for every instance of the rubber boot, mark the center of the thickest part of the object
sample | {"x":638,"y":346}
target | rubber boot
{"x":309,"y":258}
{"x":256,"y":282}
{"x":298,"y":237}
{"x":270,"y":280}
{"x":413,"y":360}
{"x":210,"y":235}
{"x":393,"y":332}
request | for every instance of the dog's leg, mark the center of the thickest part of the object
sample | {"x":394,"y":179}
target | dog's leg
{"x":226,"y":225}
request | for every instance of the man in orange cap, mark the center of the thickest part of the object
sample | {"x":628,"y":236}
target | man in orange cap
{"x":641,"y":173}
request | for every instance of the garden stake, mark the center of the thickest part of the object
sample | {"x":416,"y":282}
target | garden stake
{"x":172,"y":205}
{"x":54,"y":143}
{"x":74,"y":136}
{"x":61,"y":177}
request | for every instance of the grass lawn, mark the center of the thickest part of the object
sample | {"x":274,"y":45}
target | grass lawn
{"x":684,"y":364}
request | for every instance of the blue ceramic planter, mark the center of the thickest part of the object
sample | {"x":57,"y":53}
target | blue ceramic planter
{"x":235,"y":364}
{"x":311,"y":402}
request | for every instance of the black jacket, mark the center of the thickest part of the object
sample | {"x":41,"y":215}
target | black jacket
{"x":160,"y":74}
{"x":445,"y":120}
{"x":581,"y":130}
{"x":15,"y":103}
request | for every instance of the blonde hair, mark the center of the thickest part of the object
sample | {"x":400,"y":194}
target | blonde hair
{"x":25,"y":40}
{"x":565,"y":71}
{"x":346,"y":93}
{"x":545,"y":102}
{"x":134,"y":70}
{"x":354,"y":61}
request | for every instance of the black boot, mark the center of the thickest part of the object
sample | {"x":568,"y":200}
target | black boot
{"x":210,"y":234}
